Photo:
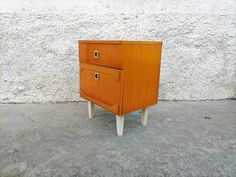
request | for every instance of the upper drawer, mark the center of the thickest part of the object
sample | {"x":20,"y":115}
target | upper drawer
{"x":109,"y":55}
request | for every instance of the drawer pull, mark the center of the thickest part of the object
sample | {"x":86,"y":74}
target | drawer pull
{"x":96,"y":76}
{"x":96,"y":54}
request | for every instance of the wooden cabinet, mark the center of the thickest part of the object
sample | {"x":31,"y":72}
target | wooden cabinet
{"x":120,"y":76}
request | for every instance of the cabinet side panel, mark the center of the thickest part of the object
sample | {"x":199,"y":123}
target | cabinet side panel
{"x":141,"y":76}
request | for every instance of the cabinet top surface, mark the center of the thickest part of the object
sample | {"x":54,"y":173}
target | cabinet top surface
{"x":119,"y":42}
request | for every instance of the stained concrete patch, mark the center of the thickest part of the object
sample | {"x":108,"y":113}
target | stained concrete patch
{"x":14,"y":170}
{"x":59,"y":140}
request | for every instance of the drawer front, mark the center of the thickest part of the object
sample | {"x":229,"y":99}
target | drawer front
{"x":101,"y":86}
{"x":101,"y":54}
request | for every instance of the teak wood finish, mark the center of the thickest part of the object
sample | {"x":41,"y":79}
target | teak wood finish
{"x":106,"y":91}
{"x":120,"y":76}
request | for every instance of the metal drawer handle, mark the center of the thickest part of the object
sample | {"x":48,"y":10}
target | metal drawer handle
{"x":96,"y":76}
{"x":96,"y":54}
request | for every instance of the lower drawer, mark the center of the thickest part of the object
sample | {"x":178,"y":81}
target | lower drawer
{"x":101,"y":85}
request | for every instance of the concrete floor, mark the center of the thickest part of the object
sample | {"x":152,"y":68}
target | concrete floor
{"x":180,"y":139}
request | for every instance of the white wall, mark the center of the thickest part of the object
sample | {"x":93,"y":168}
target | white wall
{"x":121,"y":6}
{"x":38,"y":45}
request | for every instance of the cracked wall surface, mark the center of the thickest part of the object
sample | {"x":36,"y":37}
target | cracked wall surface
{"x":38,"y":45}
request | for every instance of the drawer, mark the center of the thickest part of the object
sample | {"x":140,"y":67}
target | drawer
{"x":101,"y":85}
{"x":109,"y":55}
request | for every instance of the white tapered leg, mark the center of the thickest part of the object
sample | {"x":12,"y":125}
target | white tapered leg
{"x":90,"y":109}
{"x":144,"y":116}
{"x":119,"y":125}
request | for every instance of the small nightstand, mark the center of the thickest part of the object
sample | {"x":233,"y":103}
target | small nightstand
{"x":120,"y":76}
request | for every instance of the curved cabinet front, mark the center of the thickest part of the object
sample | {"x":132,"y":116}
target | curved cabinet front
{"x":101,"y":85}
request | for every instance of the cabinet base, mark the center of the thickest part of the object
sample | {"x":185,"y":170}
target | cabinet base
{"x":120,"y":118}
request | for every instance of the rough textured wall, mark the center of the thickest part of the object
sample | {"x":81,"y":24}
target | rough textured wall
{"x":38,"y":45}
